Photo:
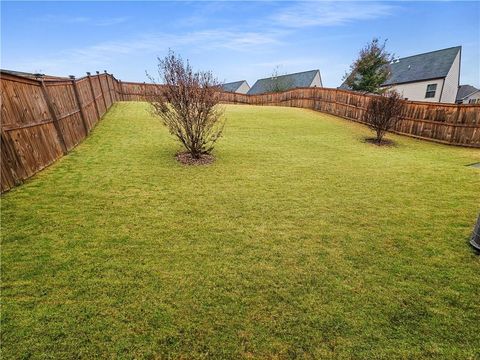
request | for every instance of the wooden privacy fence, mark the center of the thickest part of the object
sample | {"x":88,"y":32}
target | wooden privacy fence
{"x":43,"y":118}
{"x":444,"y":123}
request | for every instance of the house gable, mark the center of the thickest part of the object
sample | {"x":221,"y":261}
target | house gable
{"x":465,"y":92}
{"x":431,"y":65}
{"x":451,"y":83}
{"x":240,"y":87}
{"x":289,"y":81}
{"x":411,"y":75}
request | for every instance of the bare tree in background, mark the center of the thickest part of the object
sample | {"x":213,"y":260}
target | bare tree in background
{"x":383,"y":113}
{"x":278,"y":83}
{"x":188,"y":105}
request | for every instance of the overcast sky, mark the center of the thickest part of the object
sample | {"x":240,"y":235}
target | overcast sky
{"x":236,"y":40}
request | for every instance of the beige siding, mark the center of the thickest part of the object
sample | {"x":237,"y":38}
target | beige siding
{"x":451,"y":84}
{"x":317,"y":81}
{"x":243,"y":88}
{"x":416,"y":91}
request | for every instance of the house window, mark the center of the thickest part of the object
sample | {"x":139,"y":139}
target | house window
{"x":474,"y":101}
{"x":431,"y":89}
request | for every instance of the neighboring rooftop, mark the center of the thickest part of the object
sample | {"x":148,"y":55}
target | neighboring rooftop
{"x":464,"y":91}
{"x":430,"y":65}
{"x":288,"y":81}
{"x":233,"y":86}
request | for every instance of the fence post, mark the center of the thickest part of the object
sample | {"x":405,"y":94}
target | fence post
{"x":108,"y":87}
{"x":114,"y":89}
{"x":93,"y":94}
{"x":101,"y":88}
{"x":122,"y":90}
{"x":80,"y":107}
{"x":51,"y":109}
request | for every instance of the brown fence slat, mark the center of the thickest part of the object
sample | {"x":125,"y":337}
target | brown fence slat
{"x":79,"y":104}
{"x":61,"y":139}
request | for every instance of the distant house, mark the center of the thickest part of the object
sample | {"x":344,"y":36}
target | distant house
{"x":431,"y":77}
{"x":310,"y":78}
{"x":468,"y":94}
{"x":239,"y":87}
{"x":32,"y":75}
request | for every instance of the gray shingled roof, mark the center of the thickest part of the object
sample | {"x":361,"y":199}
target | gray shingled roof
{"x":431,"y":65}
{"x":289,"y":81}
{"x":232,"y":86}
{"x":464,"y":91}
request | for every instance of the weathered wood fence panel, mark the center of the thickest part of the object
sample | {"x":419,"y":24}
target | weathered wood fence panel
{"x":44,"y":118}
{"x":87,"y":103}
{"x":30,"y":140}
{"x":67,"y":112}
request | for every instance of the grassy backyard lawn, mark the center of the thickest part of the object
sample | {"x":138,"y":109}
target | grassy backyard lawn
{"x":300,"y":241}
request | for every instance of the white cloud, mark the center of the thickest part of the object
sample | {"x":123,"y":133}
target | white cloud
{"x":68,"y":19}
{"x":101,"y":54}
{"x":330,"y":13}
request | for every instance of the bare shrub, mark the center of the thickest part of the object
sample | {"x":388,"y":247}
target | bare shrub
{"x":188,"y":105}
{"x":383,"y":113}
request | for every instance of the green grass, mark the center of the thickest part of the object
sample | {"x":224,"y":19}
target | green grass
{"x":300,"y":241}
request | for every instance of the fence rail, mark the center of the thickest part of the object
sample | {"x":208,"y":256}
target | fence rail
{"x":44,"y":118}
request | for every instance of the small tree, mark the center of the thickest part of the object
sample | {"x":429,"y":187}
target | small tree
{"x":371,"y":69}
{"x":383,"y":113}
{"x":188,"y":105}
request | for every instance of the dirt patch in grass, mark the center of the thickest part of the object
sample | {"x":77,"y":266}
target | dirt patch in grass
{"x":187,"y":159}
{"x":384,"y":142}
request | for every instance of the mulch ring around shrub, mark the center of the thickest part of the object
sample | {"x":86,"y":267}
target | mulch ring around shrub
{"x":186,"y":159}
{"x":384,"y":142}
